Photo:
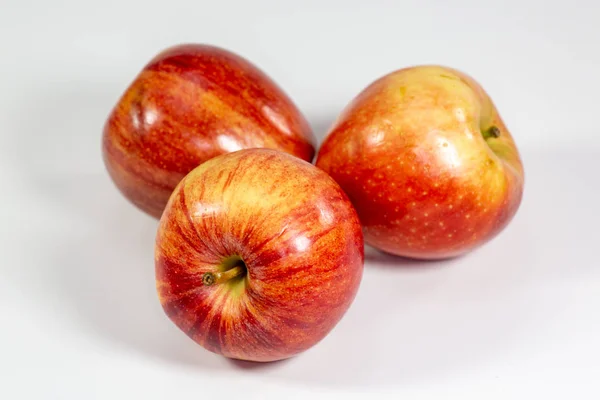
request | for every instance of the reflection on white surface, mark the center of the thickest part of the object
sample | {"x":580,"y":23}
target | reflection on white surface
{"x":135,"y":120}
{"x":276,"y":119}
{"x":203,"y":210}
{"x":375,"y":138}
{"x":228,"y":143}
{"x":468,"y":132}
{"x":325,"y":215}
{"x":449,"y":152}
{"x":459,"y":113}
{"x":301,"y":243}
{"x":201,"y":143}
{"x":150,"y":117}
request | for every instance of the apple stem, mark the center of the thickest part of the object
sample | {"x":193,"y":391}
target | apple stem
{"x":211,"y":278}
{"x":492,"y":132}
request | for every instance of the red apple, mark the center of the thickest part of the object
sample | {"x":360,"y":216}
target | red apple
{"x":427,"y":161}
{"x":258,"y":255}
{"x":188,"y":105}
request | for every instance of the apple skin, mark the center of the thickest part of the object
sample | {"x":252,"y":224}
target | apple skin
{"x":295,"y":230}
{"x":417,"y":154}
{"x":189,"y":104}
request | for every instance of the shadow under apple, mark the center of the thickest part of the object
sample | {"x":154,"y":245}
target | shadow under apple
{"x":376,"y":258}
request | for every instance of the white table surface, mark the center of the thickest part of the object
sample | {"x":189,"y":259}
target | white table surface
{"x":519,"y":318}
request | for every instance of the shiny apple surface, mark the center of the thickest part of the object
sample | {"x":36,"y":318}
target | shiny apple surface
{"x":258,"y":255}
{"x":427,"y":161}
{"x":189,"y":104}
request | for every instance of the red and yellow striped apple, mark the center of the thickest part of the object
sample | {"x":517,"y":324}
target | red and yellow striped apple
{"x":427,"y":161}
{"x":258,"y":255}
{"x":189,"y":104}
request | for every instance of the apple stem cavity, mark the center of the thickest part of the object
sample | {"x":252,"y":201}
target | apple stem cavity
{"x":211,"y":278}
{"x":492,"y":132}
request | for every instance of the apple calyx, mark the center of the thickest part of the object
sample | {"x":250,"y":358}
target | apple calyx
{"x":211,"y":278}
{"x":492,"y":132}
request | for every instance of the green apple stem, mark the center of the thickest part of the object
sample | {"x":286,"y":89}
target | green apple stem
{"x":211,"y":278}
{"x":492,"y":132}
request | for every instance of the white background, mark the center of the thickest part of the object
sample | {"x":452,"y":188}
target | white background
{"x":519,"y":318}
